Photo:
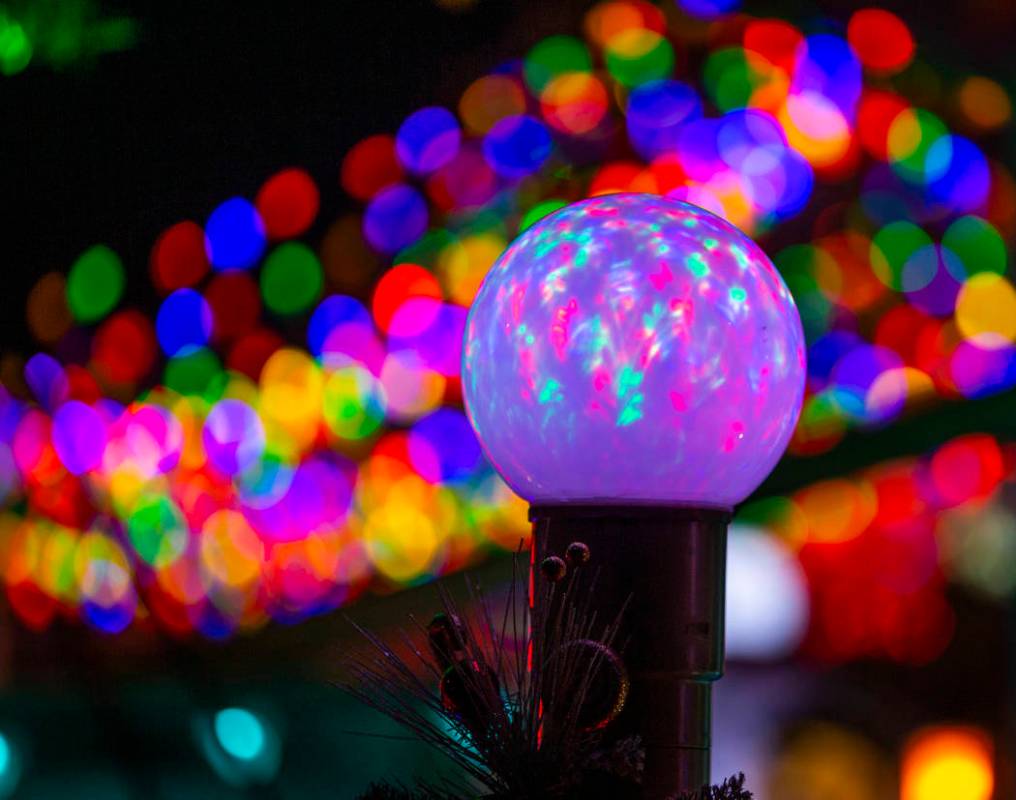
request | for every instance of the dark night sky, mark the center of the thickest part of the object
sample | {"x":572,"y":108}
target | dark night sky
{"x":217,"y":96}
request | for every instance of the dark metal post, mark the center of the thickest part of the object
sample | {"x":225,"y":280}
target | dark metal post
{"x":671,"y":562}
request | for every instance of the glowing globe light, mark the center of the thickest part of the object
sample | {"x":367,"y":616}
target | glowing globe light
{"x":633,"y":348}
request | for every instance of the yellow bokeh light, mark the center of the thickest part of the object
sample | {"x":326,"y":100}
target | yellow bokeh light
{"x":231,"y":552}
{"x":905,"y":134}
{"x":291,"y":395}
{"x":815,"y":128}
{"x":986,"y":310}
{"x":838,"y":509}
{"x":948,"y":764}
{"x":634,"y":43}
{"x":574,"y":102}
{"x":402,"y":541}
{"x":56,"y":566}
{"x":463,"y":264}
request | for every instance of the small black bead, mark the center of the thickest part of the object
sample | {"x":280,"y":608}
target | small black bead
{"x":553,"y":568}
{"x":577,"y":554}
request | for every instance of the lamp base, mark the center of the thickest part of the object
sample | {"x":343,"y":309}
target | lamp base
{"x":669,"y":565}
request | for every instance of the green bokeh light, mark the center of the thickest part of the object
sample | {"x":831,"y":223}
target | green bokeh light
{"x":291,"y":279}
{"x":157,"y":530}
{"x":799,"y":266}
{"x":15,"y":46}
{"x":95,"y":284}
{"x":892,"y":247}
{"x":195,"y":373}
{"x":911,"y":137}
{"x":539,"y":211}
{"x":637,"y":57}
{"x":977,"y":244}
{"x":729,"y":79}
{"x":552,"y":57}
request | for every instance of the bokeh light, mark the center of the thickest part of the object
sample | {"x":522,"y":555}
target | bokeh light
{"x":95,"y":284}
{"x":234,"y":235}
{"x":948,"y":762}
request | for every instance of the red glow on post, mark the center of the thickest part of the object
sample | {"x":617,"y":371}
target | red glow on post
{"x":288,"y":203}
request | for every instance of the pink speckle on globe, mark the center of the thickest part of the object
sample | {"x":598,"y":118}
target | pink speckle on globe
{"x":633,"y":349}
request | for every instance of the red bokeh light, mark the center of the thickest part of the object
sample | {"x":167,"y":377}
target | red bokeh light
{"x":882,"y":40}
{"x":124,"y":347}
{"x":396,"y":286}
{"x":875,"y":114}
{"x":967,"y":468}
{"x":236,"y":304}
{"x":179,"y":257}
{"x":775,"y":40}
{"x":250,"y":352}
{"x":288,"y":203}
{"x":370,"y":166}
{"x":896,"y":331}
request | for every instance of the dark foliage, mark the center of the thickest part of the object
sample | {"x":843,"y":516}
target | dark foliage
{"x":730,"y":789}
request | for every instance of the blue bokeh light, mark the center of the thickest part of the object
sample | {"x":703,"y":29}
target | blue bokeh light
{"x":184,"y":322}
{"x":234,"y":235}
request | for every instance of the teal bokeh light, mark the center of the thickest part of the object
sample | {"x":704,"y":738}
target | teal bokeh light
{"x":240,"y":733}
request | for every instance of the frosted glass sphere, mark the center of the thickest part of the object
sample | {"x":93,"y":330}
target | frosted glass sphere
{"x":633,"y":349}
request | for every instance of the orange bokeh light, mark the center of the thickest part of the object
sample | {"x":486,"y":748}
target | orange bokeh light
{"x":948,"y":763}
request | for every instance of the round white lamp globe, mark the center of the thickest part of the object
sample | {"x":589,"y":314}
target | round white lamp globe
{"x":633,"y":349}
